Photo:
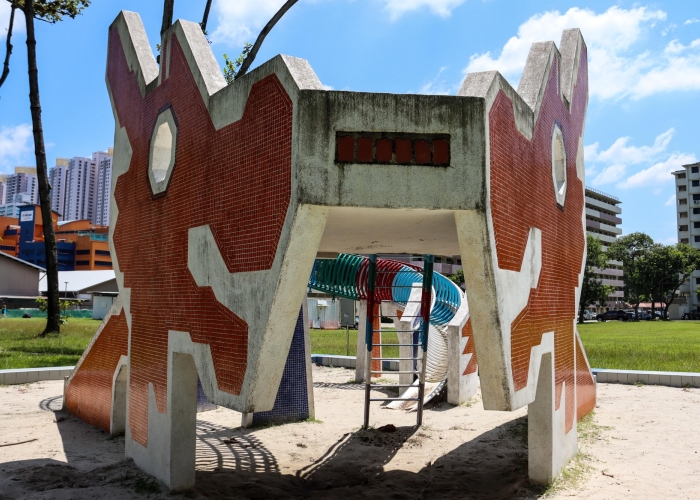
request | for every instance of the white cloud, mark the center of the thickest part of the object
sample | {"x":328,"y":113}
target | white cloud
{"x":691,"y":21}
{"x":442,"y":8}
{"x":239,"y":21}
{"x":18,"y":26}
{"x":671,"y":27}
{"x":618,"y":67}
{"x":617,"y":160}
{"x":438,"y":85}
{"x":671,"y":201}
{"x":659,"y":172}
{"x":610,"y":174}
{"x":609,"y":37}
{"x":621,"y":152}
{"x":14,"y":143}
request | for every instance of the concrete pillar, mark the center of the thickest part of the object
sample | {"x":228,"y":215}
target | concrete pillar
{"x":295,"y":397}
{"x":460,"y":386}
{"x":549,"y":446}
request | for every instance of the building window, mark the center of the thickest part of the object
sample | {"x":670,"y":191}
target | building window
{"x":683,"y":201}
{"x":697,"y":239}
{"x":696,"y":225}
{"x":696,"y":197}
{"x":682,"y":228}
{"x":82,"y":252}
{"x":696,"y":184}
{"x":102,"y":252}
{"x":681,"y":188}
{"x":102,"y":263}
{"x":684,"y":240}
{"x":7,"y":247}
{"x":694,"y":170}
{"x":82,"y":262}
{"x":683,"y":215}
{"x":696,"y":211}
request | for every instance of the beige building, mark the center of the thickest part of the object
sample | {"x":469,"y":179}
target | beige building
{"x":602,"y":221}
{"x":688,"y":222}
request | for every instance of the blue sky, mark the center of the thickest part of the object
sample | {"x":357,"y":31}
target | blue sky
{"x":644,"y":61}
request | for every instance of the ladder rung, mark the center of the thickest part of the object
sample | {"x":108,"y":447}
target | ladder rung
{"x":395,"y":359}
{"x":396,"y":345}
{"x":394,"y":399}
{"x":398,"y":331}
{"x":392,"y":385}
{"x":391,"y":372}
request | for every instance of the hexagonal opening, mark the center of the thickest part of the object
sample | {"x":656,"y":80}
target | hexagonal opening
{"x":162,"y":154}
{"x":559,"y":165}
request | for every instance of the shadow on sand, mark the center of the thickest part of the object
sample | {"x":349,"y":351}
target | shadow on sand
{"x":233,"y":463}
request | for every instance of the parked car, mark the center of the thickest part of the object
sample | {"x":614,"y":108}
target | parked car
{"x":645,"y":316}
{"x":588,"y":315}
{"x":613,"y":314}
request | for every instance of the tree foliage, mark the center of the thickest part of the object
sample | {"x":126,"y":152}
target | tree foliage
{"x":593,"y":291}
{"x":458,"y":278}
{"x":53,"y":11}
{"x":633,"y":250}
{"x":232,"y":67}
{"x":666,"y":268}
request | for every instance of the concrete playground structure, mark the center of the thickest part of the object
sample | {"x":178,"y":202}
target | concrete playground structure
{"x":294,"y":172}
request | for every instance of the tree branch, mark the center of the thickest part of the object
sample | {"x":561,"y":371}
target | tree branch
{"x":167,"y":16}
{"x":8,"y":46}
{"x":261,"y":37}
{"x":205,"y":18}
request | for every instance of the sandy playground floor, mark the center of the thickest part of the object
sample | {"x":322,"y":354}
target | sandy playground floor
{"x":642,"y":443}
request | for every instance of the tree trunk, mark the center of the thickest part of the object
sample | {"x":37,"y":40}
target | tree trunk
{"x":261,"y":37}
{"x":167,"y":16}
{"x":8,"y":46}
{"x":53,"y":320}
{"x":580,"y":314}
{"x":205,"y":18}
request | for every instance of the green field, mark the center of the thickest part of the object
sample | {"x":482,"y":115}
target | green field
{"x":646,"y":345}
{"x":656,"y":346}
{"x":334,"y":342}
{"x":21,"y":348}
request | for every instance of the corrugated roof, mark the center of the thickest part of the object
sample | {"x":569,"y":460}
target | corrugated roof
{"x":79,"y":280}
{"x":23,"y":262}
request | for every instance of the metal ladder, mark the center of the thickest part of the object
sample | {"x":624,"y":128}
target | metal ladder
{"x":426,"y":297}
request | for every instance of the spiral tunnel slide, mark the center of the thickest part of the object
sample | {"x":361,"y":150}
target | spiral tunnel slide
{"x":346,"y":276}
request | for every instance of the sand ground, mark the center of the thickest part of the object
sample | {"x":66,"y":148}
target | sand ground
{"x":641,"y":443}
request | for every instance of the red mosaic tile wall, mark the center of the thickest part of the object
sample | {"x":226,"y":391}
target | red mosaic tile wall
{"x":237,"y":180}
{"x":585,"y":387}
{"x":467,"y":331}
{"x":522,"y":196}
{"x":89,"y":394}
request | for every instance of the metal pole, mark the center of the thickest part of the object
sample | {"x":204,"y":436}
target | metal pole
{"x":347,"y":340}
{"x":426,"y":300}
{"x":369,"y":331}
{"x":65,"y":297}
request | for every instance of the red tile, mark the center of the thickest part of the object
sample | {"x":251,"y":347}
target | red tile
{"x":384,"y":150}
{"x":404,"y":151}
{"x":364,"y":150}
{"x":346,"y":149}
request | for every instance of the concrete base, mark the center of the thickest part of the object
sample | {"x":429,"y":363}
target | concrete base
{"x":549,"y":446}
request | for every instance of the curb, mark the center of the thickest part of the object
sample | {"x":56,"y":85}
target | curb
{"x":668,"y":379}
{"x":348,"y":362}
{"x":28,"y":375}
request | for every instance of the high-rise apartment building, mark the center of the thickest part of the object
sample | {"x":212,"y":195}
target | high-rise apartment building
{"x":81,"y":182}
{"x":104,"y":183}
{"x":688,"y":223}
{"x":57,"y":179}
{"x":602,"y":221}
{"x":87,"y":190}
{"x":3,"y":180}
{"x":22,"y":182}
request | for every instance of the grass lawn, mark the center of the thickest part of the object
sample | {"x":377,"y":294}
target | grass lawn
{"x":334,"y":342}
{"x":21,"y":348}
{"x":647,"y":345}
